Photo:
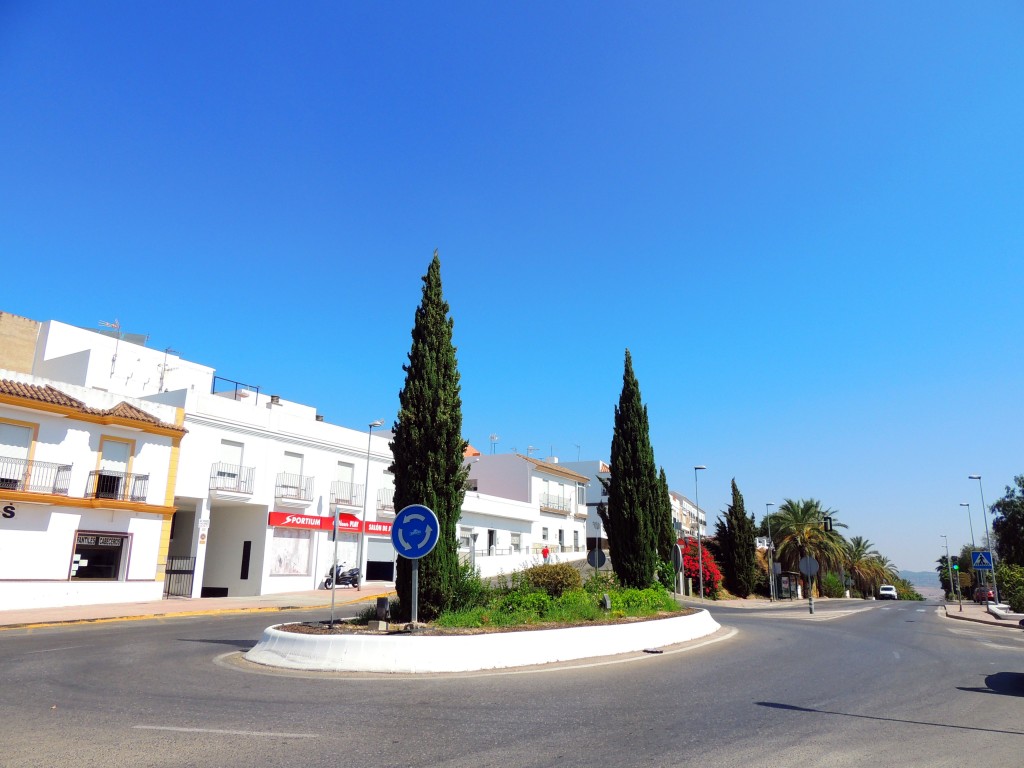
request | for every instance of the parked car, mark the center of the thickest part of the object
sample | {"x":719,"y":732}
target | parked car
{"x":887,"y":592}
{"x":983,"y":595}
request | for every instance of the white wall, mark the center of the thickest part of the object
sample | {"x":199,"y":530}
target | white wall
{"x":229,"y":527}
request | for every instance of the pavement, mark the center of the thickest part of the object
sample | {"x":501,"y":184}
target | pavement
{"x":321,"y":598}
{"x":195,"y":606}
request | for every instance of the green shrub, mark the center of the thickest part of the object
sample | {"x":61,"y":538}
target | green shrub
{"x":906,"y":590}
{"x":576,"y":605}
{"x":533,"y":602}
{"x":555,"y":578}
{"x":1010,"y":579}
{"x":642,"y":601}
{"x":830,"y":585}
{"x":601,"y":582}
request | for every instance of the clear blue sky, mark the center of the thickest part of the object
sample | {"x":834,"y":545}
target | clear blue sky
{"x":805,"y":221}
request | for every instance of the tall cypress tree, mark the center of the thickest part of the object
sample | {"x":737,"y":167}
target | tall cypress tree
{"x":632,"y":489}
{"x":666,"y":532}
{"x":736,"y":541}
{"x":428,"y":448}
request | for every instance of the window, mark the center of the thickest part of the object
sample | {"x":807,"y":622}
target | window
{"x":289,"y":552}
{"x":576,"y":541}
{"x":113,"y":472}
{"x":544,"y":534}
{"x":561,"y":537}
{"x":226,"y":477}
{"x":581,"y":495}
{"x":15,"y":441}
{"x":344,"y":488}
{"x":516,"y":542}
{"x":101,"y":556}
{"x":465,"y":538}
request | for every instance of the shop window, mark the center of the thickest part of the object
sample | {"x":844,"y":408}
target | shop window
{"x":101,"y":556}
{"x":290,"y":552}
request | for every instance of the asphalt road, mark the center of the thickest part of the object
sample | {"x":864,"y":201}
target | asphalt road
{"x":856,"y":684}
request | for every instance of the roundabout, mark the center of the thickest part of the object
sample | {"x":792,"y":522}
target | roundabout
{"x":404,"y":653}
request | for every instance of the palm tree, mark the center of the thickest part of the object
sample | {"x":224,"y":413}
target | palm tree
{"x":798,"y":530}
{"x":864,"y":564}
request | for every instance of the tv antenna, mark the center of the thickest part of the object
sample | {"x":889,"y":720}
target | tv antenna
{"x":116,"y":325}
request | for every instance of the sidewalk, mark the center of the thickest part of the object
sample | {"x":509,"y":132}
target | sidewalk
{"x":197,"y":606}
{"x":977,"y":612}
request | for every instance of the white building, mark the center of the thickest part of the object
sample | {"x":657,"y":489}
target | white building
{"x":87,"y":493}
{"x":258,"y":479}
{"x":550,"y":498}
{"x":598,"y":473}
{"x":689,"y":520}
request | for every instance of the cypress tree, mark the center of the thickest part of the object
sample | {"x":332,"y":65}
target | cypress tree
{"x":632,"y":489}
{"x":736,"y":541}
{"x":428,"y":448}
{"x":666,"y":532}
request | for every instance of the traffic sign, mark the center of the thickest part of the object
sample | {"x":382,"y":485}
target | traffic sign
{"x":981,"y":560}
{"x":596,"y":558}
{"x":415,"y":531}
{"x":677,"y":558}
{"x":808,"y":565}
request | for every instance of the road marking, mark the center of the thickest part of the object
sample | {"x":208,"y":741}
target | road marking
{"x":51,"y":650}
{"x":920,"y":610}
{"x":223,"y":732}
{"x":896,"y":654}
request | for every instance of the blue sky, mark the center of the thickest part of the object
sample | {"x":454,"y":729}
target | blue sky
{"x":804,"y":220}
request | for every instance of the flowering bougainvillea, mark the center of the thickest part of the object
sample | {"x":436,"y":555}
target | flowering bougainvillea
{"x":691,"y":568}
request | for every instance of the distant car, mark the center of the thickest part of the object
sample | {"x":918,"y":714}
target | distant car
{"x":983,"y":595}
{"x":887,"y":592}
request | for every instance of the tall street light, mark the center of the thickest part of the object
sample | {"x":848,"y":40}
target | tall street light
{"x":700,"y":544}
{"x":970,"y":522}
{"x":366,"y":493}
{"x":771,"y":552}
{"x":988,"y":537}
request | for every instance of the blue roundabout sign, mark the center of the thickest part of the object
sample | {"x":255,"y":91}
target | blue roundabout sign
{"x":415,"y":531}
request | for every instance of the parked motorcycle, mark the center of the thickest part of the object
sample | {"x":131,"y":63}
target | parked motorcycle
{"x":344,"y":577}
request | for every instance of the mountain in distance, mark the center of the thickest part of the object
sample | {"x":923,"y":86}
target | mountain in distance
{"x":929,"y":579}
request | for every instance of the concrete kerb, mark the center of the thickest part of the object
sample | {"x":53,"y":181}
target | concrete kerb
{"x":468,"y":653}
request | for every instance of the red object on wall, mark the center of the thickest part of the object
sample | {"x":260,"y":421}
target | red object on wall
{"x":346,"y":523}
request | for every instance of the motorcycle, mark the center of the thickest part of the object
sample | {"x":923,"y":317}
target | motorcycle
{"x":344,"y":577}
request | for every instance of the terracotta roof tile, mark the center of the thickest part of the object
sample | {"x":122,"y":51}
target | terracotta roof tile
{"x":47,"y":394}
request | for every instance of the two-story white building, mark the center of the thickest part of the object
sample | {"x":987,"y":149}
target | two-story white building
{"x":87,"y":493}
{"x":258,"y":480}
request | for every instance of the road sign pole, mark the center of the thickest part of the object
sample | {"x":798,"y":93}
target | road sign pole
{"x":334,"y":569}
{"x":415,"y":591}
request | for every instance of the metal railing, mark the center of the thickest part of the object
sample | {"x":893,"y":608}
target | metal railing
{"x":118,"y":486}
{"x":34,"y":476}
{"x":386,"y":499}
{"x":344,"y":492}
{"x":232,"y":477}
{"x":559,"y":503}
{"x":290,"y":486}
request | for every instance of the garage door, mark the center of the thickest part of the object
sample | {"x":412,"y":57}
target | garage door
{"x":380,"y":560}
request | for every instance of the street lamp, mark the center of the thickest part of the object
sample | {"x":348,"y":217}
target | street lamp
{"x":771,"y":552}
{"x":366,"y":493}
{"x":988,"y":537}
{"x":970,"y":522}
{"x":700,"y":544}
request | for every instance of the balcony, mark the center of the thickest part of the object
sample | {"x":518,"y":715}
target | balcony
{"x":117,"y":486}
{"x":231,"y":479}
{"x":293,"y":490}
{"x":347,"y":494}
{"x":34,"y":476}
{"x":386,"y":500}
{"x":549,"y":501}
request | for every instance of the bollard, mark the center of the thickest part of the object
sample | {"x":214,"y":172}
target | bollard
{"x":383,"y":609}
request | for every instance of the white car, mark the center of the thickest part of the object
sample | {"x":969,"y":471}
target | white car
{"x":887,"y":592}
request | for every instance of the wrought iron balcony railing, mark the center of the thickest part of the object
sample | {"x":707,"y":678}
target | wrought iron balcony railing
{"x":559,"y":503}
{"x":34,"y":476}
{"x":349,"y":494}
{"x":232,"y":478}
{"x":290,"y":486}
{"x":386,"y":499}
{"x":118,"y":486}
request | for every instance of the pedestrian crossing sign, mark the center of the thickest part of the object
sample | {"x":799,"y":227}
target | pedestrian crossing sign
{"x":981,"y":560}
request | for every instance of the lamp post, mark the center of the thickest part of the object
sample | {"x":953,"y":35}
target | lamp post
{"x":771,"y":552}
{"x":366,"y":493}
{"x":700,"y":543}
{"x":970,"y":522}
{"x":988,"y":537}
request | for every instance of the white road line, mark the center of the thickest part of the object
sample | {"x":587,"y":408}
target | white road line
{"x":52,"y":650}
{"x":921,"y":610}
{"x":226,"y":732}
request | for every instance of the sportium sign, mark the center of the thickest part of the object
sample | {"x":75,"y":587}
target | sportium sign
{"x":346,"y":523}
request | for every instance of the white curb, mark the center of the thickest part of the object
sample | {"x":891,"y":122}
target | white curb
{"x":465,"y":653}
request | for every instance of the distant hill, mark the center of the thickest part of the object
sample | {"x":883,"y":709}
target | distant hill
{"x":929,"y":579}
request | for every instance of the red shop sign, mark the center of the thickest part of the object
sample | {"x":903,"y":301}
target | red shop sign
{"x":375,"y":527}
{"x":346,"y":523}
